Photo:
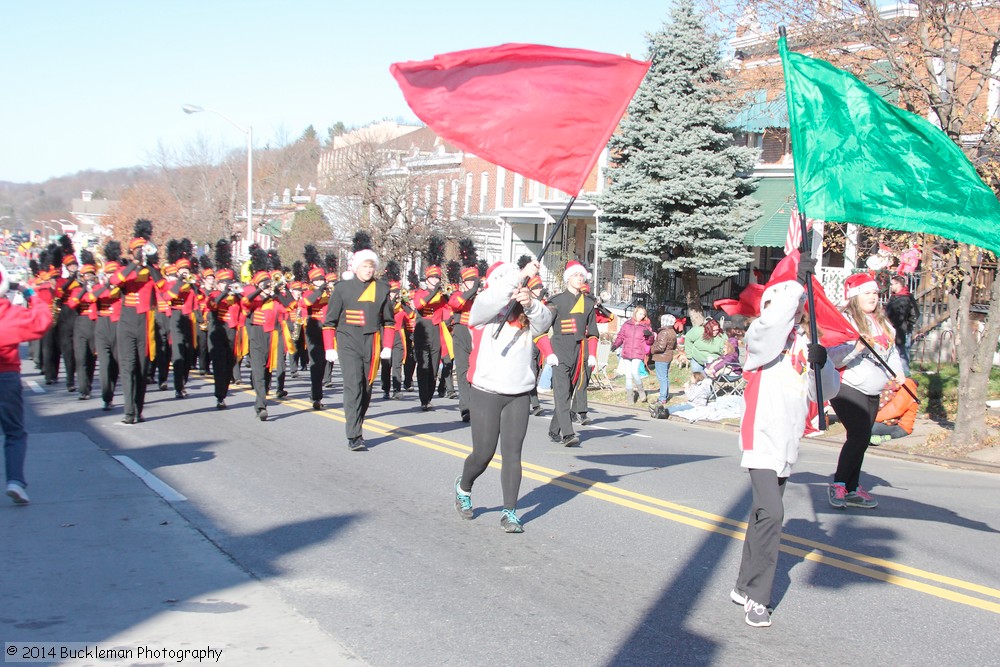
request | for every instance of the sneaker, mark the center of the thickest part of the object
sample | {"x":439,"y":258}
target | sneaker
{"x":357,"y":444}
{"x":838,"y":496}
{"x":555,"y":437}
{"x":584,"y":419}
{"x":17,"y":493}
{"x":535,"y":411}
{"x":463,"y":500}
{"x":163,"y":386}
{"x":757,"y":614}
{"x":262,"y":414}
{"x":570,"y":440}
{"x":397,"y":396}
{"x":510,"y":523}
{"x":466,"y":416}
{"x":860,"y":498}
{"x":738,"y":596}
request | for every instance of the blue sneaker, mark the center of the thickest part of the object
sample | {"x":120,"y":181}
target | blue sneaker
{"x":510,"y":523}
{"x":463,"y":500}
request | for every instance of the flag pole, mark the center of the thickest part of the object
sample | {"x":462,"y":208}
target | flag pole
{"x":804,"y":244}
{"x":545,"y":247}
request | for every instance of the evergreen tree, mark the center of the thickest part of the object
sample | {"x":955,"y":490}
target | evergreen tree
{"x":679,"y":192}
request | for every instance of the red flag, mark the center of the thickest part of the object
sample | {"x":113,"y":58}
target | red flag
{"x":830,"y":321}
{"x":541,"y":111}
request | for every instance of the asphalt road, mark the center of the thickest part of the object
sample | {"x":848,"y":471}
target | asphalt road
{"x":630,"y":549}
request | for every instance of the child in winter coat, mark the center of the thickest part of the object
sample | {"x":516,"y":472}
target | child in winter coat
{"x":780,"y":384}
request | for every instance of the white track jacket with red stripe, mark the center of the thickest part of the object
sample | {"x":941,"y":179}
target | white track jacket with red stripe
{"x":780,"y":384}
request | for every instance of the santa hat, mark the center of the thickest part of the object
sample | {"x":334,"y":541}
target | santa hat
{"x":502,"y":267}
{"x":572,"y":267}
{"x":786,"y":271}
{"x":859,"y":283}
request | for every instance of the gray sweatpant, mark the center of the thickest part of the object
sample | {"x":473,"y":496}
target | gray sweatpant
{"x":760,"y":548}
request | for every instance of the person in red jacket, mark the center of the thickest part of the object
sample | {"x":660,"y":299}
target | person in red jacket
{"x":17,"y":325}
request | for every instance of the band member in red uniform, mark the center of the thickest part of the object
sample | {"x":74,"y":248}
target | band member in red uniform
{"x":82,"y":301}
{"x":461,"y":303}
{"x":180,"y":294}
{"x":262,"y":317}
{"x":358,"y":331}
{"x":315,"y":297}
{"x":109,"y":308}
{"x":431,"y":306}
{"x":137,"y":281}
{"x":224,"y":317}
{"x":45,"y":289}
{"x":410,"y":325}
{"x":392,"y":373}
{"x":206,"y":286}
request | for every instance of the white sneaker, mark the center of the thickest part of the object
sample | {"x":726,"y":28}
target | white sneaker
{"x":17,"y":493}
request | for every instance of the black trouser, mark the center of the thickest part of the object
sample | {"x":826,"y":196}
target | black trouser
{"x":301,"y":357}
{"x":580,"y":391}
{"x":106,"y":342}
{"x":462,"y":344}
{"x":536,"y":363}
{"x":410,"y":365}
{"x":84,"y":353}
{"x":160,"y":365}
{"x":280,"y":366}
{"x":503,"y":418}
{"x":260,"y":376}
{"x":67,"y":328}
{"x":221,"y":343}
{"x":392,"y":371}
{"x":35,"y":352}
{"x":857,"y":412}
{"x":354,"y":353}
{"x":427,"y":349}
{"x":562,"y":397}
{"x":446,"y":384}
{"x":317,"y":358}
{"x":760,"y":548}
{"x":133,"y":359}
{"x":50,"y":354}
{"x":181,"y":347}
{"x":204,"y":358}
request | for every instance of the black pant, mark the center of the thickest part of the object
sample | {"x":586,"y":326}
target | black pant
{"x":392,"y":371}
{"x":67,"y":327}
{"x":204,"y":359}
{"x":410,"y":364}
{"x":50,"y":354}
{"x":579,"y":404}
{"x":260,"y":376}
{"x":181,"y":347}
{"x":857,"y":412}
{"x":317,"y":358}
{"x":160,"y":365}
{"x":133,"y":360}
{"x":355,"y":355}
{"x":427,"y":349}
{"x":106,"y":342}
{"x":497,"y":418}
{"x":462,"y":344}
{"x":221,"y":342}
{"x":760,"y":548}
{"x":84,"y":353}
{"x":562,"y":397}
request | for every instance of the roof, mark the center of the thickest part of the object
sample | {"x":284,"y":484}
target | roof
{"x":760,"y":114}
{"x":776,"y":197}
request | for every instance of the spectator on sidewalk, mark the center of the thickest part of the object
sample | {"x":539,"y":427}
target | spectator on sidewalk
{"x":632,"y":339}
{"x":704,"y":343}
{"x":897,"y":414}
{"x":663,"y":353}
{"x":17,"y":325}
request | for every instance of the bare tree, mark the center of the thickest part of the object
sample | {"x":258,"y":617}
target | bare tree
{"x":940,"y":59}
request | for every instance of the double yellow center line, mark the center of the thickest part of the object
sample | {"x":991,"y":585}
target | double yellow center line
{"x":941,"y":586}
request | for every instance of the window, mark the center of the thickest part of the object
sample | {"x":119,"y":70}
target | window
{"x":454,"y":198}
{"x":484,"y":187}
{"x":518,"y":190}
{"x":501,"y":183}
{"x":468,"y":193}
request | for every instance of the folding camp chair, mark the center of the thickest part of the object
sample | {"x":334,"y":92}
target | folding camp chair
{"x":599,"y":378}
{"x":728,"y":384}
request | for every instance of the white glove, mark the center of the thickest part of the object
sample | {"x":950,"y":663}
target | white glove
{"x":592,"y":361}
{"x":385,"y":354}
{"x":552,"y":360}
{"x":331,"y":356}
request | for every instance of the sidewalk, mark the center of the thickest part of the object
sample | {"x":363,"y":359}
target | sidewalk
{"x":98,"y":557}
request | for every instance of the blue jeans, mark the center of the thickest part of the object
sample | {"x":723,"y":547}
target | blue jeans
{"x":663,"y":375}
{"x":12,"y":422}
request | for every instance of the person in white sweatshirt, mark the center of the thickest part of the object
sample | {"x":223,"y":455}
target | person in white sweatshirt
{"x":502,"y":376}
{"x":780,"y":384}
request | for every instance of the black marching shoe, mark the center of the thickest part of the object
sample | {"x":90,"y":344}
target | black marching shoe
{"x":220,"y":404}
{"x":71,"y":388}
{"x":84,"y":396}
{"x":426,"y":407}
{"x":178,"y":394}
{"x":281,"y":393}
{"x":396,"y":395}
{"x":357,"y":444}
{"x":466,"y":416}
{"x":163,"y":386}
{"x":317,"y":405}
{"x":584,"y":419}
{"x":107,"y":407}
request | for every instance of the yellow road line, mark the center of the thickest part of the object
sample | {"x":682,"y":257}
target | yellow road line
{"x":698,"y":518}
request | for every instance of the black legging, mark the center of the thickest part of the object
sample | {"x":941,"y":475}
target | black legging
{"x":857,"y":412}
{"x":496,"y":417}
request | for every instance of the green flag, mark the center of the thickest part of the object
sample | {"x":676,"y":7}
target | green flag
{"x":859,"y":159}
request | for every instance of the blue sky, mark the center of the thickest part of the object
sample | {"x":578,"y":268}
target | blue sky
{"x":100,"y":84}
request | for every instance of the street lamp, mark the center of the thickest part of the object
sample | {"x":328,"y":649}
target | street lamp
{"x":248,"y":130}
